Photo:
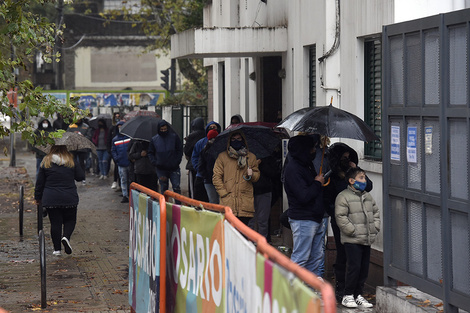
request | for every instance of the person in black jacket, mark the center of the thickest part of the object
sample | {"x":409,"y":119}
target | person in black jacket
{"x":57,"y":193}
{"x":206,"y":167}
{"x":197,"y":132}
{"x":45,"y":126}
{"x":305,"y":198}
{"x":341,"y":158}
{"x":144,"y":171}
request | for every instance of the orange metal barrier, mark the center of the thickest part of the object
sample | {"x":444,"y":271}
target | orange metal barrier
{"x":263,"y":247}
{"x":161,"y":199}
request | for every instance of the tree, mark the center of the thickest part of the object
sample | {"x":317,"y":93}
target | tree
{"x":161,"y":19}
{"x":22,"y":34}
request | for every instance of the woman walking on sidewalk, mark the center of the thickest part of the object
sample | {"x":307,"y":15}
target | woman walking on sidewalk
{"x":57,"y":193}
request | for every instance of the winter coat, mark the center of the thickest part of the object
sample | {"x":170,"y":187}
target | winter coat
{"x":142,"y":164}
{"x":48,"y":129}
{"x":96,"y":136}
{"x":338,"y":182}
{"x":206,"y":163}
{"x":357,"y":216}
{"x":269,"y":171}
{"x":197,"y":133}
{"x":234,"y":191}
{"x":119,"y":150}
{"x":304,"y":193}
{"x":55,"y":186}
{"x":200,"y":145}
{"x":166,"y":151}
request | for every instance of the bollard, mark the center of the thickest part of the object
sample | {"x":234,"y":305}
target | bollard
{"x":21,"y":209}
{"x":39,"y":217}
{"x":42,"y":252}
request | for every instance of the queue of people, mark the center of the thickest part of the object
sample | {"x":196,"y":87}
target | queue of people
{"x":234,"y":178}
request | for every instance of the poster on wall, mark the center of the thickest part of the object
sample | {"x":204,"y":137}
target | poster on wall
{"x":195,"y":260}
{"x":395,"y":143}
{"x":411,"y":151}
{"x":428,"y":139}
{"x":90,"y":100}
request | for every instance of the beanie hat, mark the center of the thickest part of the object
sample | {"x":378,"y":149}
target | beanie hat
{"x":212,"y":134}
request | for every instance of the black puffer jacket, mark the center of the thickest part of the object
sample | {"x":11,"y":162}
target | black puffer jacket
{"x":304,"y":193}
{"x":197,"y":132}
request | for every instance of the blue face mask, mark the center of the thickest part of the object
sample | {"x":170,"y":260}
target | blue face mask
{"x":358,"y":185}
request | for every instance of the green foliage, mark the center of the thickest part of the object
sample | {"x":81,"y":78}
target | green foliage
{"x":22,"y":34}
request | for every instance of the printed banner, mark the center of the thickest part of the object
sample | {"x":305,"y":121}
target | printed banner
{"x":195,"y":256}
{"x":102,"y":99}
{"x":144,"y":253}
{"x":240,"y":272}
{"x":280,"y":291}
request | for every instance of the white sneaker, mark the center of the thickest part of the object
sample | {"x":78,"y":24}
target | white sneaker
{"x":348,"y":301}
{"x":114,"y":185}
{"x":360,"y":301}
{"x":101,"y":177}
{"x":67,"y":246}
{"x":56,"y":253}
{"x":83,"y":182}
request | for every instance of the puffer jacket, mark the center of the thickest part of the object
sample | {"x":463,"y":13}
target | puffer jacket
{"x":357,"y":216}
{"x":234,"y":191}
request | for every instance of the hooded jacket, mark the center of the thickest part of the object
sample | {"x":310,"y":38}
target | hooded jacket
{"x":197,"y":133}
{"x":357,"y":216}
{"x":304,"y":193}
{"x":48,"y":129}
{"x":165,"y":150}
{"x":240,"y":118}
{"x":338,"y":182}
{"x":199,"y":146}
{"x":234,"y":190}
{"x":119,"y":149}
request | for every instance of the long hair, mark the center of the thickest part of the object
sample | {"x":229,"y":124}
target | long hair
{"x":62,"y":152}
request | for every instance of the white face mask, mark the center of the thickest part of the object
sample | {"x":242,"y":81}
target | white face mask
{"x":45,"y":125}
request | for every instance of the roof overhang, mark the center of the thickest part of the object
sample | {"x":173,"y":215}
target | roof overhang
{"x":229,"y":42}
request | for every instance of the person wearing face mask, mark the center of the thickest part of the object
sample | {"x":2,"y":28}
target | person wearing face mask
{"x":43,"y":126}
{"x":304,"y":192}
{"x":341,"y":158}
{"x":235,"y":171}
{"x":165,"y":153}
{"x":358,"y":219}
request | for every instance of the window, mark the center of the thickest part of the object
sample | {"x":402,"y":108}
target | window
{"x":373,"y":96}
{"x":312,"y":81}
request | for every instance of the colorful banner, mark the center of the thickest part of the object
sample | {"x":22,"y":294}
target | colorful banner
{"x":87,"y":100}
{"x":240,"y":272}
{"x":195,"y":256}
{"x":144,"y":253}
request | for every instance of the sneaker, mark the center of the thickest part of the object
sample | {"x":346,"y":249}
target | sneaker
{"x":125,"y":200}
{"x":114,"y":185}
{"x":67,"y":246}
{"x":56,"y":253}
{"x":348,"y":301}
{"x":360,"y":301}
{"x":101,"y":177}
{"x":83,"y":182}
{"x":118,"y":189}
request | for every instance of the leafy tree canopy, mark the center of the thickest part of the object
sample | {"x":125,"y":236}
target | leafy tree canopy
{"x":22,"y":34}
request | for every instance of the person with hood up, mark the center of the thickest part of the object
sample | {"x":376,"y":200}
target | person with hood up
{"x":57,"y":193}
{"x":235,"y":171}
{"x":206,"y":167}
{"x":341,"y":158}
{"x":236,"y":119}
{"x":165,"y":152}
{"x":304,"y":192}
{"x":197,"y":133}
{"x":43,"y":125}
{"x":199,"y":188}
{"x":144,"y":171}
{"x":119,"y":153}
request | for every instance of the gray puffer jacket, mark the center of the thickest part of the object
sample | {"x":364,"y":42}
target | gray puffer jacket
{"x":357,"y":216}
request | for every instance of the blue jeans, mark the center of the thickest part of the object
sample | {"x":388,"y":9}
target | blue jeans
{"x":103,"y":161}
{"x":325,"y":227}
{"x":211,"y":193}
{"x":308,"y":244}
{"x":173,"y":176}
{"x":124,"y":175}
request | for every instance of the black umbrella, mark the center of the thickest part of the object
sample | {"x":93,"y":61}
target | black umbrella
{"x":93,"y":122}
{"x":141,"y":127}
{"x":328,"y":121}
{"x":261,"y":140}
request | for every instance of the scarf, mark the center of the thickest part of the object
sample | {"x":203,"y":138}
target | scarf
{"x":240,"y":155}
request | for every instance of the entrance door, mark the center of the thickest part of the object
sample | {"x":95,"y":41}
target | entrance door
{"x":272,"y":89}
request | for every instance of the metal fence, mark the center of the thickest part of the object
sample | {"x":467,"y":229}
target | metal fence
{"x":426,"y":131}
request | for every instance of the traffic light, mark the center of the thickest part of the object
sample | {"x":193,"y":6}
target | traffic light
{"x":166,"y":79}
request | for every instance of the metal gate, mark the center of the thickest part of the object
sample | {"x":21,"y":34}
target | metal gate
{"x":426,"y":130}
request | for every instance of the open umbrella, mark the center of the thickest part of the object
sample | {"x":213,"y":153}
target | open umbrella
{"x":328,"y":121}
{"x":261,"y":140}
{"x":73,"y":141}
{"x":135,"y":113}
{"x":141,"y":127}
{"x":93,"y":122}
